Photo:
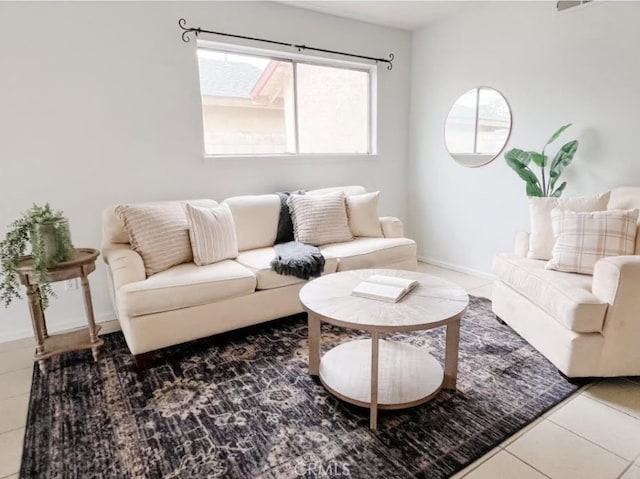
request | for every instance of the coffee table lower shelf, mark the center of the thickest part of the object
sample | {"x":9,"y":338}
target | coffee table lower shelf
{"x":407,"y":375}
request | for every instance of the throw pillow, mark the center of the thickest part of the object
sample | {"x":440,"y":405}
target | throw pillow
{"x":541,"y":239}
{"x":212,"y":233}
{"x":362,"y":211}
{"x":584,"y":238}
{"x":158,"y":232}
{"x":319,"y":220}
{"x":285,"y":225}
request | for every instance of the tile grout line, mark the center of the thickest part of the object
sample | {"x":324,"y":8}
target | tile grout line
{"x":626,"y":469}
{"x":609,"y":406}
{"x":15,"y":429}
{"x":483,"y":461}
{"x":613,"y":407}
{"x":525,"y":462}
{"x":588,"y":440}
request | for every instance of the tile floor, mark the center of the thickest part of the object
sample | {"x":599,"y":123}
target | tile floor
{"x":595,"y":434}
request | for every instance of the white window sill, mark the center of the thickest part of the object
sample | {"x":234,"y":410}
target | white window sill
{"x":292,"y":157}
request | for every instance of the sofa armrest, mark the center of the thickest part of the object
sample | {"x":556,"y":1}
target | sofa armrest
{"x":391,"y":227}
{"x":616,"y":280}
{"x":126,"y":265}
{"x":521,"y":247}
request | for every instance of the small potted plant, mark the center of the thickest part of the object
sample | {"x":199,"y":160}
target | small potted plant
{"x":47,"y":231}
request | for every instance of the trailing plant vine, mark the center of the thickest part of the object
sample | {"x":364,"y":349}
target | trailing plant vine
{"x":30,"y":229}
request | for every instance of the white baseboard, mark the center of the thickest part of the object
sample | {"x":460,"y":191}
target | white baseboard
{"x":56,"y":328}
{"x":458,"y":268}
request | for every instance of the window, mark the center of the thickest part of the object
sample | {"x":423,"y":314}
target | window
{"x":259,"y":105}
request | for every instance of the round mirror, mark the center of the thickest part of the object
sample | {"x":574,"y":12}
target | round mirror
{"x":477,"y":127}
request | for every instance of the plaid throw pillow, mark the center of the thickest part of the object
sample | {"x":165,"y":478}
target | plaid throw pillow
{"x":584,"y":238}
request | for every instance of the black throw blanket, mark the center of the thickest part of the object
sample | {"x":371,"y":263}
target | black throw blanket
{"x":298,"y":259}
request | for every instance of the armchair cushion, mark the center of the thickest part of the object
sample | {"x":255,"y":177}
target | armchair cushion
{"x":567,"y":297}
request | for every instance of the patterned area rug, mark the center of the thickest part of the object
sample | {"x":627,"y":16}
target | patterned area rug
{"x":241,"y":405}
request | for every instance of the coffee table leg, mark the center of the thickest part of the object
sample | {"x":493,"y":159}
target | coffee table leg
{"x":451,"y":355}
{"x":373,"y":422}
{"x":314,"y":344}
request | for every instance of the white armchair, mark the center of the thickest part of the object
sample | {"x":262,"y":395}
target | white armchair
{"x":587,"y":326}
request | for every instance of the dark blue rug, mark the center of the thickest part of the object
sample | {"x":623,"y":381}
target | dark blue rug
{"x":241,"y":405}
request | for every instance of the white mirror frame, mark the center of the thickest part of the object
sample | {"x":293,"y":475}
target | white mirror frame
{"x":481,"y":158}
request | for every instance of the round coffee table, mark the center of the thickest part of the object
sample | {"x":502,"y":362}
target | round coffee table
{"x":378,"y":373}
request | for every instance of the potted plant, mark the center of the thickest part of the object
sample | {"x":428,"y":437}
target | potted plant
{"x":519,"y":161}
{"x":47,"y":231}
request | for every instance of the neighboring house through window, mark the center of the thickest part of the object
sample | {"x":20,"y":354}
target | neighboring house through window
{"x":254,"y":104}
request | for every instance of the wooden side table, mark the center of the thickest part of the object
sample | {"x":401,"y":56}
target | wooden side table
{"x":80,"y":266}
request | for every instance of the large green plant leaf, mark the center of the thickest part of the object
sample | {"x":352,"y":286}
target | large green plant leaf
{"x":558,"y":192}
{"x":517,"y":156}
{"x":538,"y":158}
{"x":518,"y":160}
{"x":555,"y":136}
{"x":563,"y":158}
{"x":533,"y":189}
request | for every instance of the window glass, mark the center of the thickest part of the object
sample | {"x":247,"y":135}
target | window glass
{"x":256,"y":105}
{"x":333,"y":109}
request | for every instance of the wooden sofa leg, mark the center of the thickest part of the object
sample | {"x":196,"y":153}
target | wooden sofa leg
{"x":144,"y":361}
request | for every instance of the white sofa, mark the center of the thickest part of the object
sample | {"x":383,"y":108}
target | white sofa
{"x":587,"y":326}
{"x":188,"y":302}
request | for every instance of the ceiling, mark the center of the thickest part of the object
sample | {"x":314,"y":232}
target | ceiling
{"x":407,"y":15}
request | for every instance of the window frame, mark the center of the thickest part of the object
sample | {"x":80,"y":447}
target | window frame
{"x":295,"y":58}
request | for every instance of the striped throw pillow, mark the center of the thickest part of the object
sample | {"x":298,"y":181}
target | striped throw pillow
{"x":581,"y":239}
{"x":319,"y":220}
{"x":158,"y":232}
{"x":212,"y":233}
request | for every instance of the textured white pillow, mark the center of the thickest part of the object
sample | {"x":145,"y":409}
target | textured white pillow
{"x":212,"y":233}
{"x":584,"y":238}
{"x":362,"y":211}
{"x":541,"y":239}
{"x":159,"y":232}
{"x":319,"y":220}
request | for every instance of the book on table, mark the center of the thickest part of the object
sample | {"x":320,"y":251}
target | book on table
{"x":384,"y":288}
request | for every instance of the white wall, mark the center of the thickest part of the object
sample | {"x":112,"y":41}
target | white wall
{"x":99,"y":105}
{"x":580,"y":66}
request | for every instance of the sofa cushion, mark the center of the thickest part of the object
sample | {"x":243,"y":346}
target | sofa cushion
{"x":370,"y":252}
{"x":185,"y":285}
{"x":259,"y":262}
{"x":566,"y":297}
{"x":256,"y":220}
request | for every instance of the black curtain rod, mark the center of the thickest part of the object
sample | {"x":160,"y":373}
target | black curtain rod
{"x":185,"y":38}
